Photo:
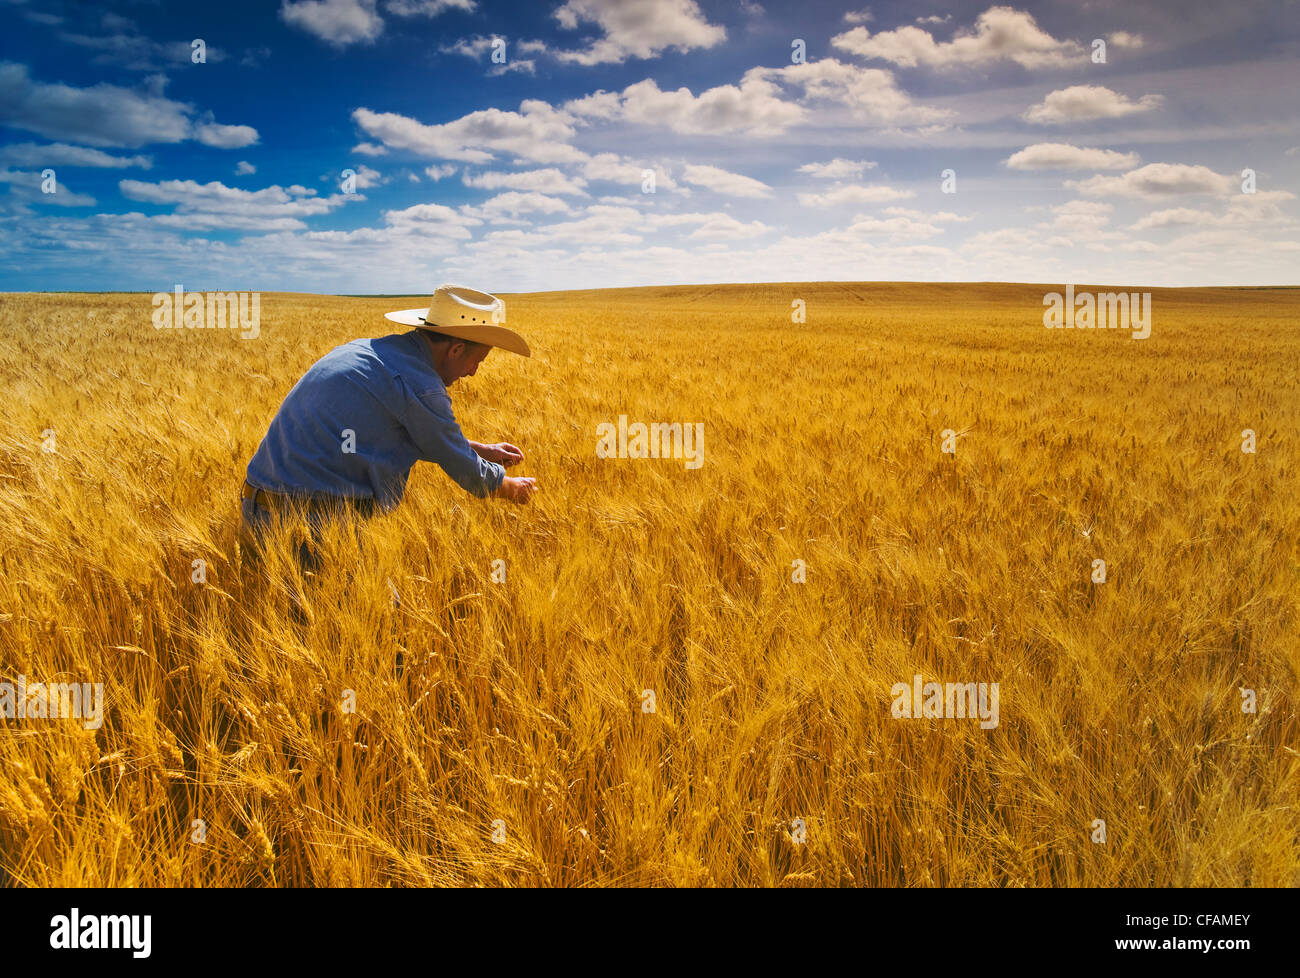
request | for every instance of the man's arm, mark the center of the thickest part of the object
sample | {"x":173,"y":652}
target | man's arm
{"x":433,"y":428}
{"x":503,"y":453}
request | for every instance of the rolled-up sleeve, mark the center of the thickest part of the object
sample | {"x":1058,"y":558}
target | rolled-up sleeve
{"x":433,"y":429}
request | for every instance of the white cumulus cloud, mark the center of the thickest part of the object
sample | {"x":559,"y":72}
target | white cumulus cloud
{"x":547,"y":181}
{"x":724,"y":182}
{"x":755,"y":107}
{"x":1158,"y":180}
{"x":338,"y":22}
{"x":1062,"y":156}
{"x":854,"y":194}
{"x":1080,"y":103}
{"x":637,"y":28}
{"x":536,"y":132}
{"x":106,"y":115}
{"x":837,"y":169}
{"x":62,"y":154}
{"x":999,"y":34}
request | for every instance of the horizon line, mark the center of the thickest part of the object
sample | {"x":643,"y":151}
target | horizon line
{"x":623,"y":288}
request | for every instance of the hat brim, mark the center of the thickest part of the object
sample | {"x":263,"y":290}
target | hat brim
{"x":506,"y":339}
{"x":408,"y":317}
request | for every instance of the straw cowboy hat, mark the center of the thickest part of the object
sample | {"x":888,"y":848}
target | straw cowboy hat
{"x":466,"y":314}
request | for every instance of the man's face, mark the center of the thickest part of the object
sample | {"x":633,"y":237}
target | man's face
{"x":463,"y":360}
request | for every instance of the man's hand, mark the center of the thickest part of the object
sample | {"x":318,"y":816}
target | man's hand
{"x":516,"y":490}
{"x":502,"y":453}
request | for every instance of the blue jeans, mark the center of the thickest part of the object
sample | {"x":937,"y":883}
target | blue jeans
{"x":256,"y":519}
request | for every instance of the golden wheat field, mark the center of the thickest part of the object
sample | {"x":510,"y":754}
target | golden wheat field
{"x":513,"y":744}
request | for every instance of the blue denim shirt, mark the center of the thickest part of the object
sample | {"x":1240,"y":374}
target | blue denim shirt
{"x":387,"y":393}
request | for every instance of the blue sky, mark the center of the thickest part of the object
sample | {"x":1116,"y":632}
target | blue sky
{"x":528,"y":171}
